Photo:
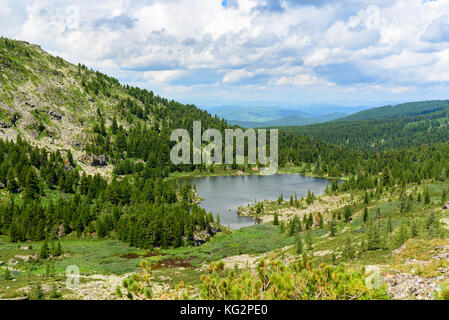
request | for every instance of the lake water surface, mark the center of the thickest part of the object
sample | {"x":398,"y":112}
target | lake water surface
{"x":222,"y":195}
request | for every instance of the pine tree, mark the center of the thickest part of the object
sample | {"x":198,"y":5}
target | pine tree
{"x":58,"y":249}
{"x":373,"y":236}
{"x":427,"y":197}
{"x":70,"y":158}
{"x":44,"y":253}
{"x":276,"y":219}
{"x":282,"y":226}
{"x":309,"y":240}
{"x":299,"y":246}
{"x":12,"y":183}
{"x":310,"y":197}
{"x":348,"y":214}
{"x":365,"y":214}
{"x":402,"y":235}
{"x":389,"y":225}
{"x":321,"y":220}
{"x":31,"y":185}
{"x":114,"y":126}
{"x":366,"y":198}
{"x":7,"y":274}
{"x":280,"y":199}
{"x":37,"y":293}
{"x":348,"y":251}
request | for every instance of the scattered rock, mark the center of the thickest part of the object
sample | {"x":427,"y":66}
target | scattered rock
{"x":445,"y":222}
{"x":25,"y":258}
{"x":78,"y":144}
{"x":96,"y":161}
{"x":201,"y":237}
{"x":60,"y":231}
{"x":322,"y":253}
{"x":13,"y":263}
{"x":55,"y":115}
{"x":5,"y":125}
{"x":414,"y":261}
{"x":399,"y":250}
{"x":442,"y":256}
{"x":405,"y":286}
{"x":32,"y":106}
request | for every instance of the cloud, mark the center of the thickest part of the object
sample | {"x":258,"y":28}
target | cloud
{"x":116,"y":22}
{"x":237,"y":75}
{"x":352,"y":46}
{"x":437,"y":31}
{"x":345,"y":73}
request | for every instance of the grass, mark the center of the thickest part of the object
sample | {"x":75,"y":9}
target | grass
{"x":110,"y":256}
{"x":91,"y":256}
{"x":252,"y":240}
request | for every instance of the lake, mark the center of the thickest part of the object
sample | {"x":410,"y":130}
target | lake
{"x":223,"y":195}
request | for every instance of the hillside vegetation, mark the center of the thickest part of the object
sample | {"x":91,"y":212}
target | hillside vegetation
{"x":61,"y":106}
{"x":403,"y":126}
{"x":85,"y":179}
{"x":403,"y":110}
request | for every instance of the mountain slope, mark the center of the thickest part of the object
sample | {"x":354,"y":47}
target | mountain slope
{"x":57,"y":105}
{"x":61,"y":127}
{"x":287,"y":121}
{"x":404,"y":110}
{"x":428,"y":125}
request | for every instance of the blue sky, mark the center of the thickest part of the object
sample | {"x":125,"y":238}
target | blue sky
{"x":277,"y":52}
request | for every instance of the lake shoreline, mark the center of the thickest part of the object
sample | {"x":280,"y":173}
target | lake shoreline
{"x":233,"y":173}
{"x":225,"y":195}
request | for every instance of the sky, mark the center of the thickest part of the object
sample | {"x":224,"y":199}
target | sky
{"x":272,"y":52}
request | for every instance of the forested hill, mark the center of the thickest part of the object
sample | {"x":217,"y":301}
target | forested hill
{"x":403,"y":126}
{"x":60,"y":106}
{"x":70,"y":139}
{"x":404,"y":110}
{"x":82,"y":154}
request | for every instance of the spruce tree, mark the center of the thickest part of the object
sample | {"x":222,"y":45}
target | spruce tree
{"x":427,"y":197}
{"x":365,"y":214}
{"x":31,"y":185}
{"x":348,"y":214}
{"x":276,"y":219}
{"x":70,"y":158}
{"x":309,"y":240}
{"x":299,"y":246}
{"x":44,"y":253}
{"x":12,"y":183}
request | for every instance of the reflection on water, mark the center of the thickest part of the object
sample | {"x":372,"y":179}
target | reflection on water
{"x":222,"y":195}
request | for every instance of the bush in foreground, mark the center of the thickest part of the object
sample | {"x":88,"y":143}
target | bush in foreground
{"x":272,"y":280}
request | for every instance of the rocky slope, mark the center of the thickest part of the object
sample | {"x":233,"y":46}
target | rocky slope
{"x":55,"y":104}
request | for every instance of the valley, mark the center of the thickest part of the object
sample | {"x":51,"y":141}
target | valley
{"x":86,"y":180}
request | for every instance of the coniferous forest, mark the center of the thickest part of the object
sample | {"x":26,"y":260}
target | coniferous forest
{"x":86,"y":180}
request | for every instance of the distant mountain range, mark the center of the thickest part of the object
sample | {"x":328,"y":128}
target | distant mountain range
{"x":258,"y":117}
{"x":288,"y":121}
